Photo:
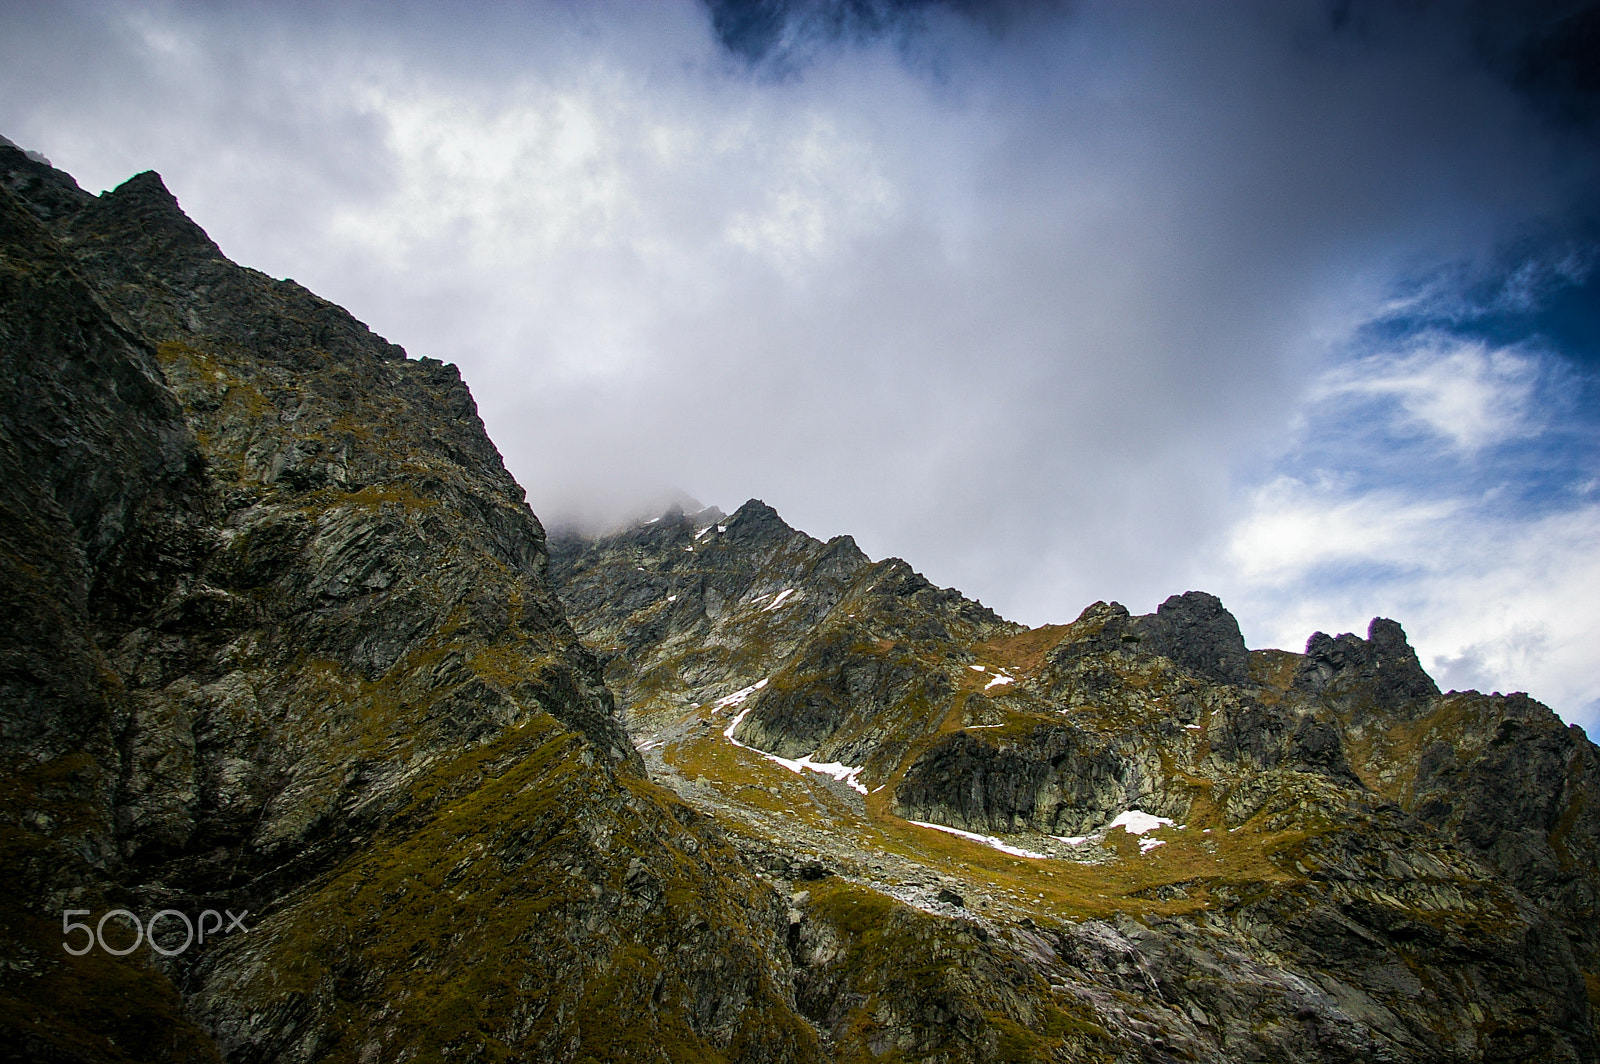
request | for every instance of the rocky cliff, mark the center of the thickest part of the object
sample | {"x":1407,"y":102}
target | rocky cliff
{"x":283,"y":643}
{"x":286,"y":643}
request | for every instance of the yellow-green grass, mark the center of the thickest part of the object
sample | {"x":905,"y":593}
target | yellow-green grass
{"x":1190,"y":857}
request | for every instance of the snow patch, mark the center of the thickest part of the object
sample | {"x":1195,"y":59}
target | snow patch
{"x":1002,"y":678}
{"x":775,"y":603}
{"x":846,"y":774}
{"x":975,"y":668}
{"x":1137,"y":822}
{"x":987,"y":840}
{"x":1134,"y":822}
{"x":737,"y":698}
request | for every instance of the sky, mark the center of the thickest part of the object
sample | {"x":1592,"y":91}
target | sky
{"x":1294,"y":302}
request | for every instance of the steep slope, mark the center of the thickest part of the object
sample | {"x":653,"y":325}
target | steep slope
{"x":288,"y":648}
{"x":855,"y":654}
{"x":1221,"y":854}
{"x":98,"y":479}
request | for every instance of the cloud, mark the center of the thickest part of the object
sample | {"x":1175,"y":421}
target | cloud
{"x":1292,"y":528}
{"x":1464,"y":391}
{"x":1490,"y":602}
{"x":1481,"y":543}
{"x":1035,"y":302}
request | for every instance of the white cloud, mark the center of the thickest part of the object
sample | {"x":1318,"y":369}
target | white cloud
{"x":1466,"y":391}
{"x":1490,"y":599}
{"x":1291,"y":528}
{"x":1019,"y":308}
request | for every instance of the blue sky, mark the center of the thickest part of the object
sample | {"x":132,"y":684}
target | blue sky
{"x":1293,"y":302}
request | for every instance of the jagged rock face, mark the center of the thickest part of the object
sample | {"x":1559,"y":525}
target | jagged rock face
{"x":1370,"y":871}
{"x":286,"y":645}
{"x":100,"y":492}
{"x":1504,"y":779}
{"x":1380,"y":673}
{"x":1196,"y":633}
{"x":853,"y":655}
{"x":1057,"y":779}
{"x":1124,"y":712}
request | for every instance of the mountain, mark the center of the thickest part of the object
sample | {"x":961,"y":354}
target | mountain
{"x":1224,"y":854}
{"x":282,"y":642}
{"x":286,"y":643}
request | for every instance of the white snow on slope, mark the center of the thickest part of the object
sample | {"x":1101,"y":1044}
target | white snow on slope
{"x":846,"y":774}
{"x":737,"y":698}
{"x":987,"y":840}
{"x":775,"y":603}
{"x":1134,"y":822}
{"x":1137,"y":822}
{"x":999,"y":680}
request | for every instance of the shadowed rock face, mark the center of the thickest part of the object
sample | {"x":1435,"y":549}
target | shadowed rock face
{"x":101,"y":493}
{"x":1195,"y":632}
{"x":1191,"y":630}
{"x":1057,"y":780}
{"x":1380,"y":673}
{"x":283,"y":642}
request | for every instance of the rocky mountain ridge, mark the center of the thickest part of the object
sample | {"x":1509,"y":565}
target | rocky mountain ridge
{"x":288,"y":641}
{"x":1289,"y":807}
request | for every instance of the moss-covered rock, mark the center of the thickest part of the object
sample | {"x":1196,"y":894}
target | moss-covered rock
{"x":287,"y":646}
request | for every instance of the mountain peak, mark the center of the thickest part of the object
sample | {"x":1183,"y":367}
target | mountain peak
{"x":757,"y":510}
{"x":142,"y":212}
{"x":1197,"y":632}
{"x":1380,"y":672}
{"x":46,"y":192}
{"x":756,"y":522}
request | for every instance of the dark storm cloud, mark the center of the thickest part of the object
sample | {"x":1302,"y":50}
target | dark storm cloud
{"x":1044,"y":300}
